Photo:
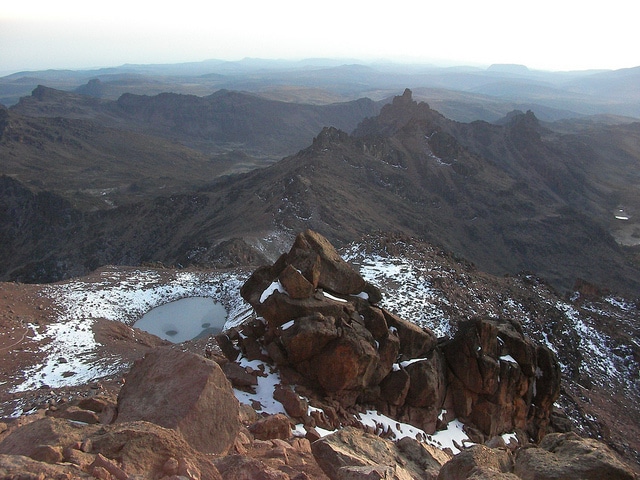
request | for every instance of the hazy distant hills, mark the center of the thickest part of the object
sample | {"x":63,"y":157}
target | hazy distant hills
{"x":217,"y":123}
{"x":510,"y":197}
{"x":554,"y":95}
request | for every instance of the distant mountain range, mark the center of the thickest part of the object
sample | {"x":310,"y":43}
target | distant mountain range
{"x":553,"y":95}
{"x":509,"y":197}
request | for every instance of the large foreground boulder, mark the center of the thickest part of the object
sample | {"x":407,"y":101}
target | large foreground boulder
{"x":569,"y":457}
{"x":352,"y":454}
{"x":185,"y":392}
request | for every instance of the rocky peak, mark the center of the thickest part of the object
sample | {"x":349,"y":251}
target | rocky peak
{"x":323,"y":322}
{"x":394,"y":116}
{"x":327,"y":137}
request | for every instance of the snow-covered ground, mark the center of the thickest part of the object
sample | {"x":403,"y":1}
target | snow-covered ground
{"x":408,"y":284}
{"x":262,"y":400}
{"x":120,"y":294}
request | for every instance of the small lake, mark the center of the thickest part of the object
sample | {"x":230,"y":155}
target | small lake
{"x":184,"y":319}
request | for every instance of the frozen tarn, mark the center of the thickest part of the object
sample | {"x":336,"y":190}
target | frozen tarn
{"x":68,"y":349}
{"x":125,"y":295}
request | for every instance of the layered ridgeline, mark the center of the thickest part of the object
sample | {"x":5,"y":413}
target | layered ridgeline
{"x":510,"y":198}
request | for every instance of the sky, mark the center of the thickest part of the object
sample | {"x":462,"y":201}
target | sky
{"x":554,"y":35}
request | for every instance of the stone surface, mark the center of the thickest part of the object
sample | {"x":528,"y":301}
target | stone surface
{"x":24,"y":468}
{"x":272,"y":426}
{"x":491,"y":389}
{"x":478,"y":462}
{"x":183,"y":391}
{"x":143,"y":448}
{"x":567,"y":456}
{"x":351,"y":451}
{"x":46,"y":431}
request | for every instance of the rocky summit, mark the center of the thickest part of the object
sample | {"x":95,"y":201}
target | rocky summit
{"x":330,"y":331}
{"x":339,"y":356}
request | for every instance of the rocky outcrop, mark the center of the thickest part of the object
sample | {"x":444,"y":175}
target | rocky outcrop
{"x":559,"y":456}
{"x":567,"y":456}
{"x":500,"y":380}
{"x":351,"y":454}
{"x":322,"y":319}
{"x":185,"y":392}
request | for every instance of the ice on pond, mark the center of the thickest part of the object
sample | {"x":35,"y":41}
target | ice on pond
{"x":184,"y":319}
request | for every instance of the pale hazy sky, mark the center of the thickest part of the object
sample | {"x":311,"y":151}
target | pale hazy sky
{"x":545,"y":34}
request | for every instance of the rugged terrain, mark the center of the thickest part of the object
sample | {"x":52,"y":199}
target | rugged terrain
{"x":510,"y":198}
{"x":594,"y":336}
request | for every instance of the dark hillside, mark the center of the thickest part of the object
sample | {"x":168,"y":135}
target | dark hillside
{"x":509,"y":198}
{"x":224,"y":121}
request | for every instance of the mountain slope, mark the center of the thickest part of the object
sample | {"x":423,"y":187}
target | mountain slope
{"x":508,"y":198}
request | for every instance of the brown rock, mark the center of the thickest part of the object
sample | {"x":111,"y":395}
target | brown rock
{"x":296,"y":285}
{"x":78,"y":457}
{"x":388,"y":348}
{"x":77,"y":415}
{"x":394,"y":387}
{"x":238,"y":467}
{"x":311,"y":434}
{"x":294,"y":405}
{"x":227,"y":347}
{"x":336,"y":275}
{"x":273,"y":426}
{"x":21,"y":467}
{"x":338,"y":454}
{"x":308,"y":336}
{"x":143,"y":448}
{"x":46,"y":431}
{"x":47,"y":454}
{"x":348,"y":363}
{"x":427,"y":382}
{"x":415,"y":342}
{"x":238,"y":376}
{"x":479,"y":462}
{"x":97,"y":403}
{"x":569,"y":457}
{"x":375,"y":322}
{"x":183,"y":391}
{"x":490,"y":388}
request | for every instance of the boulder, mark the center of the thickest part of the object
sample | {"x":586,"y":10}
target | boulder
{"x":239,"y":467}
{"x":20,"y":467}
{"x":307,"y":336}
{"x":335,"y":274}
{"x":28,"y":439}
{"x":293,"y":404}
{"x":272,"y":426}
{"x":144,"y":448}
{"x":479,"y":463}
{"x":295,"y":283}
{"x":567,"y":456}
{"x":415,"y":342}
{"x":347,"y":363}
{"x":185,"y":392}
{"x":394,"y":387}
{"x":490,"y":388}
{"x":427,"y":387}
{"x":350,"y":452}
